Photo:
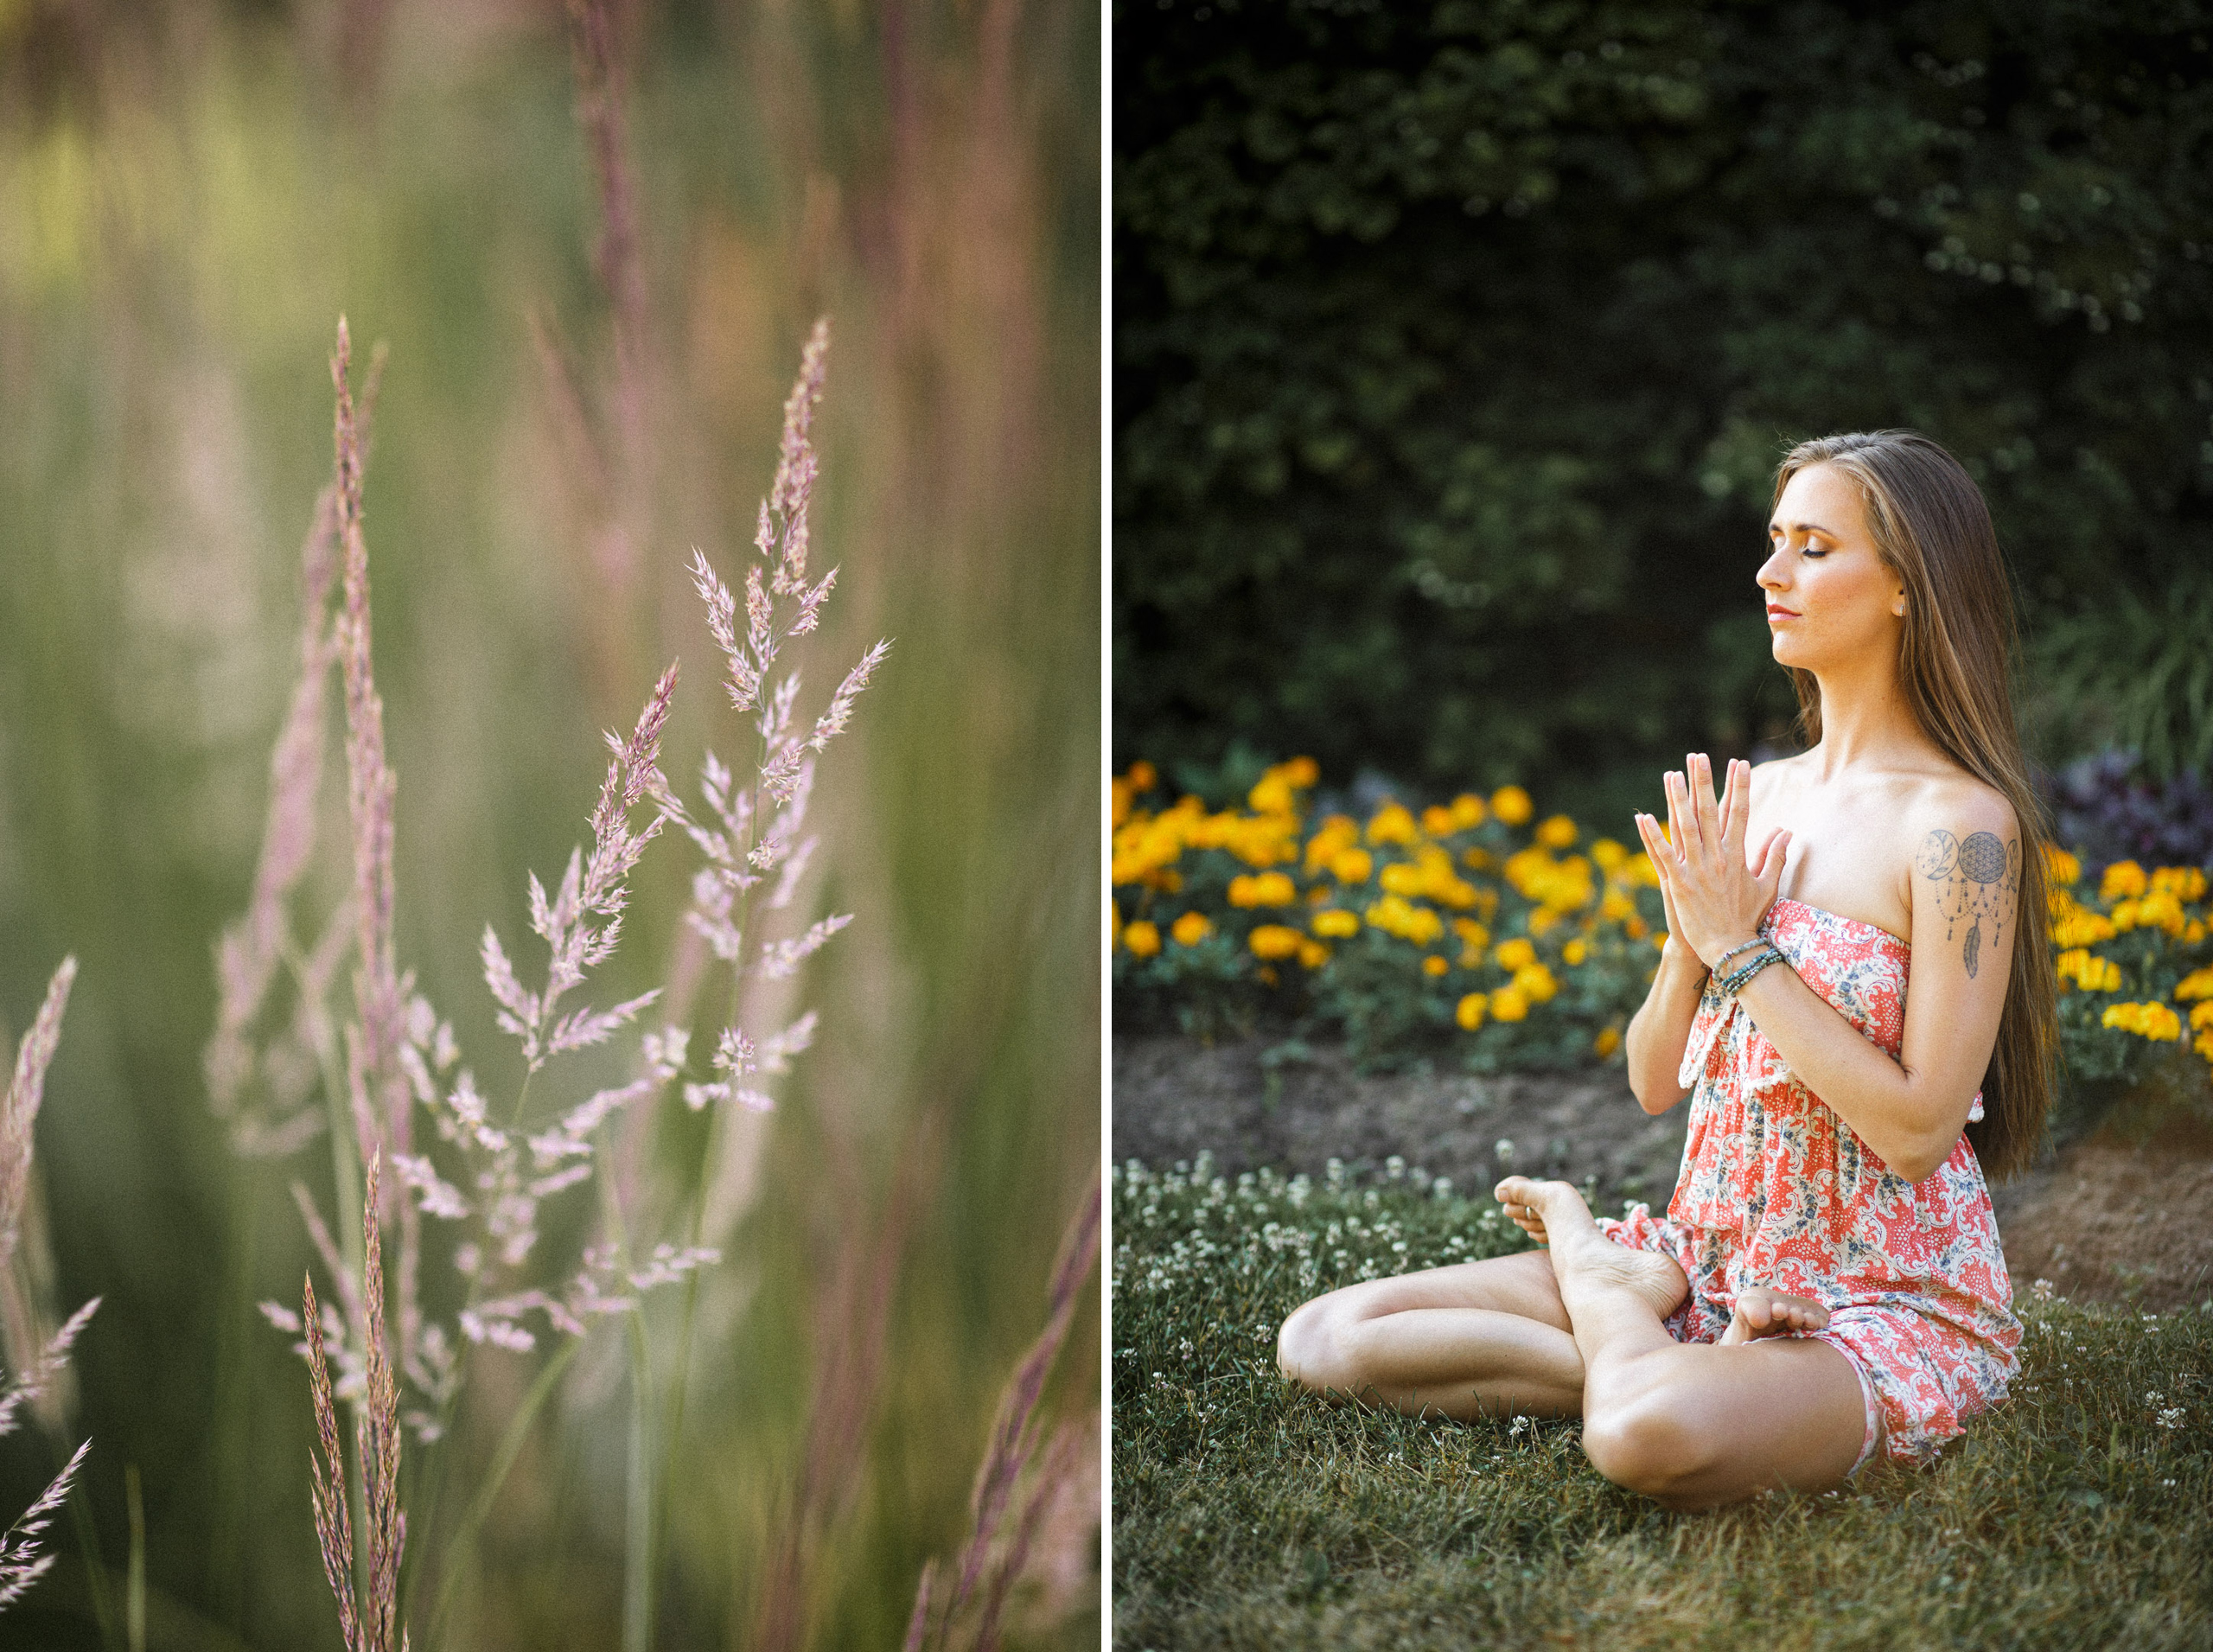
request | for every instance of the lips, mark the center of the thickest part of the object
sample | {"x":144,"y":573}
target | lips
{"x":1775,"y":613}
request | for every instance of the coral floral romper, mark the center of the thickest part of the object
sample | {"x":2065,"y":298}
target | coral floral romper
{"x":1776,"y":1190}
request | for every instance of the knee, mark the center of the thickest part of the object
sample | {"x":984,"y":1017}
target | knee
{"x":1310,"y":1351}
{"x":1646,"y":1442}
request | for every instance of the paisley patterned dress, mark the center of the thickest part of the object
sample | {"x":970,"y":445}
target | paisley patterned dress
{"x":1776,"y":1190}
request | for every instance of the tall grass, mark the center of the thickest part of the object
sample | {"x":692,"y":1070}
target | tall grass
{"x":176,"y":233}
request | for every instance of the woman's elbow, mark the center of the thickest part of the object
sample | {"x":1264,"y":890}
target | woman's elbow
{"x":1656,"y":1092}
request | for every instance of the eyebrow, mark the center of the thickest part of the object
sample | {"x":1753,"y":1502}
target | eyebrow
{"x":1814,"y":528}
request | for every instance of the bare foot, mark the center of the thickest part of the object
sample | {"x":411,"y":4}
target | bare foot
{"x":1582,"y":1257}
{"x":1762,"y":1312}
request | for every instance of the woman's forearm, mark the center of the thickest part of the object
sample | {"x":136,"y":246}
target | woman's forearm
{"x":1854,"y":1077}
{"x":1660,"y":1030}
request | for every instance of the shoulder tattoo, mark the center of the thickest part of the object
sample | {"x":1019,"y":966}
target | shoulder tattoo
{"x":1976,"y":879}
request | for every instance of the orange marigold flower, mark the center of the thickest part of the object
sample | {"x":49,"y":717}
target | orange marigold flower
{"x":1143,"y":776}
{"x":1437,"y":820}
{"x":1433,"y":965}
{"x":1312,"y":954}
{"x":1351,"y":865}
{"x":1142,"y":937}
{"x":1275,"y":941}
{"x":2122,"y":877}
{"x":1190,"y":929}
{"x":2059,"y":867}
{"x":1608,"y":1041}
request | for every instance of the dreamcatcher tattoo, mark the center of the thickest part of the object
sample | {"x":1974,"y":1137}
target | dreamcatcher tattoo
{"x":1978,"y":879}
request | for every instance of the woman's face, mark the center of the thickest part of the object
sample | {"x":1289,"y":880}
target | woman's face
{"x":1831,"y":604}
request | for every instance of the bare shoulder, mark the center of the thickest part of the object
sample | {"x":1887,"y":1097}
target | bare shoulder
{"x":1966,"y":874}
{"x":1956,"y":824}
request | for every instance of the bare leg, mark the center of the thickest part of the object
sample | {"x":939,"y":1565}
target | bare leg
{"x":1691,"y":1425}
{"x":1486,"y":1338}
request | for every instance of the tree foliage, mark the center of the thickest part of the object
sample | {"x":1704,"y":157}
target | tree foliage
{"x":1455,"y":345}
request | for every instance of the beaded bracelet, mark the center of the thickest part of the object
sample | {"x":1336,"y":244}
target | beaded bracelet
{"x":1744,"y":973}
{"x":1721,"y":963}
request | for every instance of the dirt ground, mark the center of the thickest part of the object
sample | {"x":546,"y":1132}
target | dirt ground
{"x":2124,"y":1215}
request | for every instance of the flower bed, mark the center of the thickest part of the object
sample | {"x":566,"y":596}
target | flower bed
{"x":1472,"y":932}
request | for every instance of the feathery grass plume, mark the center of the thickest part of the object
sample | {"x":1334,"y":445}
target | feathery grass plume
{"x":21,"y":1563}
{"x":368,"y":1608}
{"x":1013,"y":1450}
{"x":743,"y":841}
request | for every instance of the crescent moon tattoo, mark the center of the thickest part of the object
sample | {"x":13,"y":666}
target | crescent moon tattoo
{"x":1976,"y":879}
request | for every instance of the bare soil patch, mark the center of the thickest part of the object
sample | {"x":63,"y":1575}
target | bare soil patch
{"x":2124,"y":1215}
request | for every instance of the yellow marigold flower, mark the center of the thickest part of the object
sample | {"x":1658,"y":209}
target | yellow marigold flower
{"x":2203,"y":1045}
{"x":1409,"y":923}
{"x":2092,"y":973}
{"x":1143,"y":776}
{"x":1556,"y":832}
{"x":2201,"y":1015}
{"x":1433,"y":965}
{"x":2199,"y":984}
{"x":1142,"y":937}
{"x":2059,"y":867}
{"x":1471,"y":933}
{"x":1274,"y":889}
{"x":1240,"y":890}
{"x":2124,"y":915}
{"x":1543,"y":919}
{"x":1437,"y":820}
{"x":1272,"y":795}
{"x":1479,"y":859}
{"x":2156,"y":1021}
{"x":1576,"y":951}
{"x":1641,"y":869}
{"x":1351,"y":865}
{"x":1516,"y":953}
{"x":1336,"y":922}
{"x":1660,"y":942}
{"x":1335,"y":834}
{"x":1610,"y":856}
{"x":1123,"y":798}
{"x":2122,"y":877}
{"x":2160,"y":910}
{"x":1273,"y":940}
{"x":1535,"y":982}
{"x":1507,"y":1004}
{"x":2192,"y":933}
{"x":1511,"y":804}
{"x":1615,"y":906}
{"x":1190,"y":929}
{"x":1393,"y":823}
{"x":2082,"y":928}
{"x":1169,"y":883}
{"x":1608,"y":1041}
{"x":1633,"y":926}
{"x":1113,"y":925}
{"x":1301,"y":772}
{"x":1471,"y":1010}
{"x":2184,"y":882}
{"x":1400,"y":878}
{"x":1468,"y":810}
{"x":1312,"y":955}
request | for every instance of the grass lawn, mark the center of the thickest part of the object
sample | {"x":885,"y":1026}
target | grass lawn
{"x":1245,"y":1515}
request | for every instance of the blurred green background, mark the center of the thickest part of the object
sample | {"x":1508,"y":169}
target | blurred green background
{"x":190,"y":194}
{"x":1456,"y":346}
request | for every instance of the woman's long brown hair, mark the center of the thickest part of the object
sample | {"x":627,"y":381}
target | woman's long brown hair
{"x":1932,"y":529}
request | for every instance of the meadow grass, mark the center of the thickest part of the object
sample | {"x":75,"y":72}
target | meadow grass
{"x":1246,"y":1514}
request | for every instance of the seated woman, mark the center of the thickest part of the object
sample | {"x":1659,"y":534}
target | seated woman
{"x":1827,"y":1280}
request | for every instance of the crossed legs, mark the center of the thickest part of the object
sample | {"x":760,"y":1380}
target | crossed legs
{"x":1577,"y":1331}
